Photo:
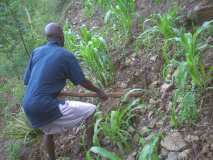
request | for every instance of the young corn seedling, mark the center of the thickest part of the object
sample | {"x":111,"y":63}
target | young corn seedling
{"x":196,"y":68}
{"x":115,"y":125}
{"x":149,"y":151}
{"x":161,"y":36}
{"x":101,"y":152}
{"x":71,"y":40}
{"x":93,"y":51}
{"x":121,"y":16}
{"x":183,"y":99}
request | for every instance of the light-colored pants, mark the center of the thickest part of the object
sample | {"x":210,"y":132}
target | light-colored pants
{"x":74,"y":113}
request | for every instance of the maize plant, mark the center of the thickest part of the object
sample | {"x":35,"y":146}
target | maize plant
{"x":115,"y":125}
{"x":121,"y":15}
{"x":101,"y":152}
{"x":192,"y":47}
{"x":93,"y":51}
{"x":71,"y":39}
{"x":149,"y":151}
{"x":163,"y":27}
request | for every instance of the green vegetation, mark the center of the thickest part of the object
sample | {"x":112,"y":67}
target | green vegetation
{"x":149,"y":150}
{"x":92,"y":50}
{"x":114,"y":126}
{"x":102,"y":152}
{"x":14,"y":150}
{"x":179,"y":49}
{"x":18,"y":127}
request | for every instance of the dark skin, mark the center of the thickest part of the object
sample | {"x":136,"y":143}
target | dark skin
{"x":55,"y":33}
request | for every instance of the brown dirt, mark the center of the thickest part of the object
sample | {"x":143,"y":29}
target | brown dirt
{"x":142,"y":71}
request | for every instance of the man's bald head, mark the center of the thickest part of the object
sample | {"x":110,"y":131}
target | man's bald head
{"x":54,"y":32}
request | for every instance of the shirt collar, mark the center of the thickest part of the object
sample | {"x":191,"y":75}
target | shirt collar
{"x":53,"y":43}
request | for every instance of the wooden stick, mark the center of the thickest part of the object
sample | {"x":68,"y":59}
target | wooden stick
{"x":113,"y":94}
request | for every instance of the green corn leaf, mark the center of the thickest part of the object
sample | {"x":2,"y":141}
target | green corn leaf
{"x":104,"y":153}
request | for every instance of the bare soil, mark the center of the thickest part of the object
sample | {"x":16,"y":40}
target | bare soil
{"x":142,"y":71}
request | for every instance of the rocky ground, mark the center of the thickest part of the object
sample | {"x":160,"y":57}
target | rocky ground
{"x":143,"y":71}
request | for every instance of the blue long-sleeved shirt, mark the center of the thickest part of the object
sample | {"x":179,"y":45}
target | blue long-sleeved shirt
{"x":46,"y":74}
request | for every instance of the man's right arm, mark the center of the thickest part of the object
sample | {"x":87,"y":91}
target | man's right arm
{"x":89,"y":85}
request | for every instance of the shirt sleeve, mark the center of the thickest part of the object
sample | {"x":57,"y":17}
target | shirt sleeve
{"x":74,"y":71}
{"x":28,"y":71}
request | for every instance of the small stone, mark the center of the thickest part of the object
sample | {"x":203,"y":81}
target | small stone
{"x":163,"y":153}
{"x":191,"y":138}
{"x":132,"y":156}
{"x":144,"y":131}
{"x":152,"y":101}
{"x":136,"y":138}
{"x":153,"y":58}
{"x":154,"y":84}
{"x":172,"y":156}
{"x":131,"y":129}
{"x":212,"y":146}
{"x":173,"y":142}
{"x":165,"y":88}
{"x":205,"y":149}
{"x":184,"y":155}
{"x":153,"y":122}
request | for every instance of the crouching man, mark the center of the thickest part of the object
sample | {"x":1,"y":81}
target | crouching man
{"x":49,"y":67}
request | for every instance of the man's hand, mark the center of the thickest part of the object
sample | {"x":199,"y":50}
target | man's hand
{"x":88,"y":85}
{"x":103,"y":96}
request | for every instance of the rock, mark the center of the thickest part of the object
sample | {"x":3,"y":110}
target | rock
{"x":184,"y":155}
{"x":123,"y":85}
{"x":136,"y":138}
{"x":166,"y":87}
{"x":191,"y":138}
{"x":173,"y":142}
{"x":172,"y":156}
{"x":154,"y":84}
{"x":163,"y":153}
{"x":153,"y":58}
{"x":153,"y":122}
{"x":152,"y":101}
{"x":201,"y":13}
{"x":131,"y":129}
{"x":25,"y":153}
{"x":144,"y":131}
{"x":205,"y":149}
{"x":132,"y":156}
